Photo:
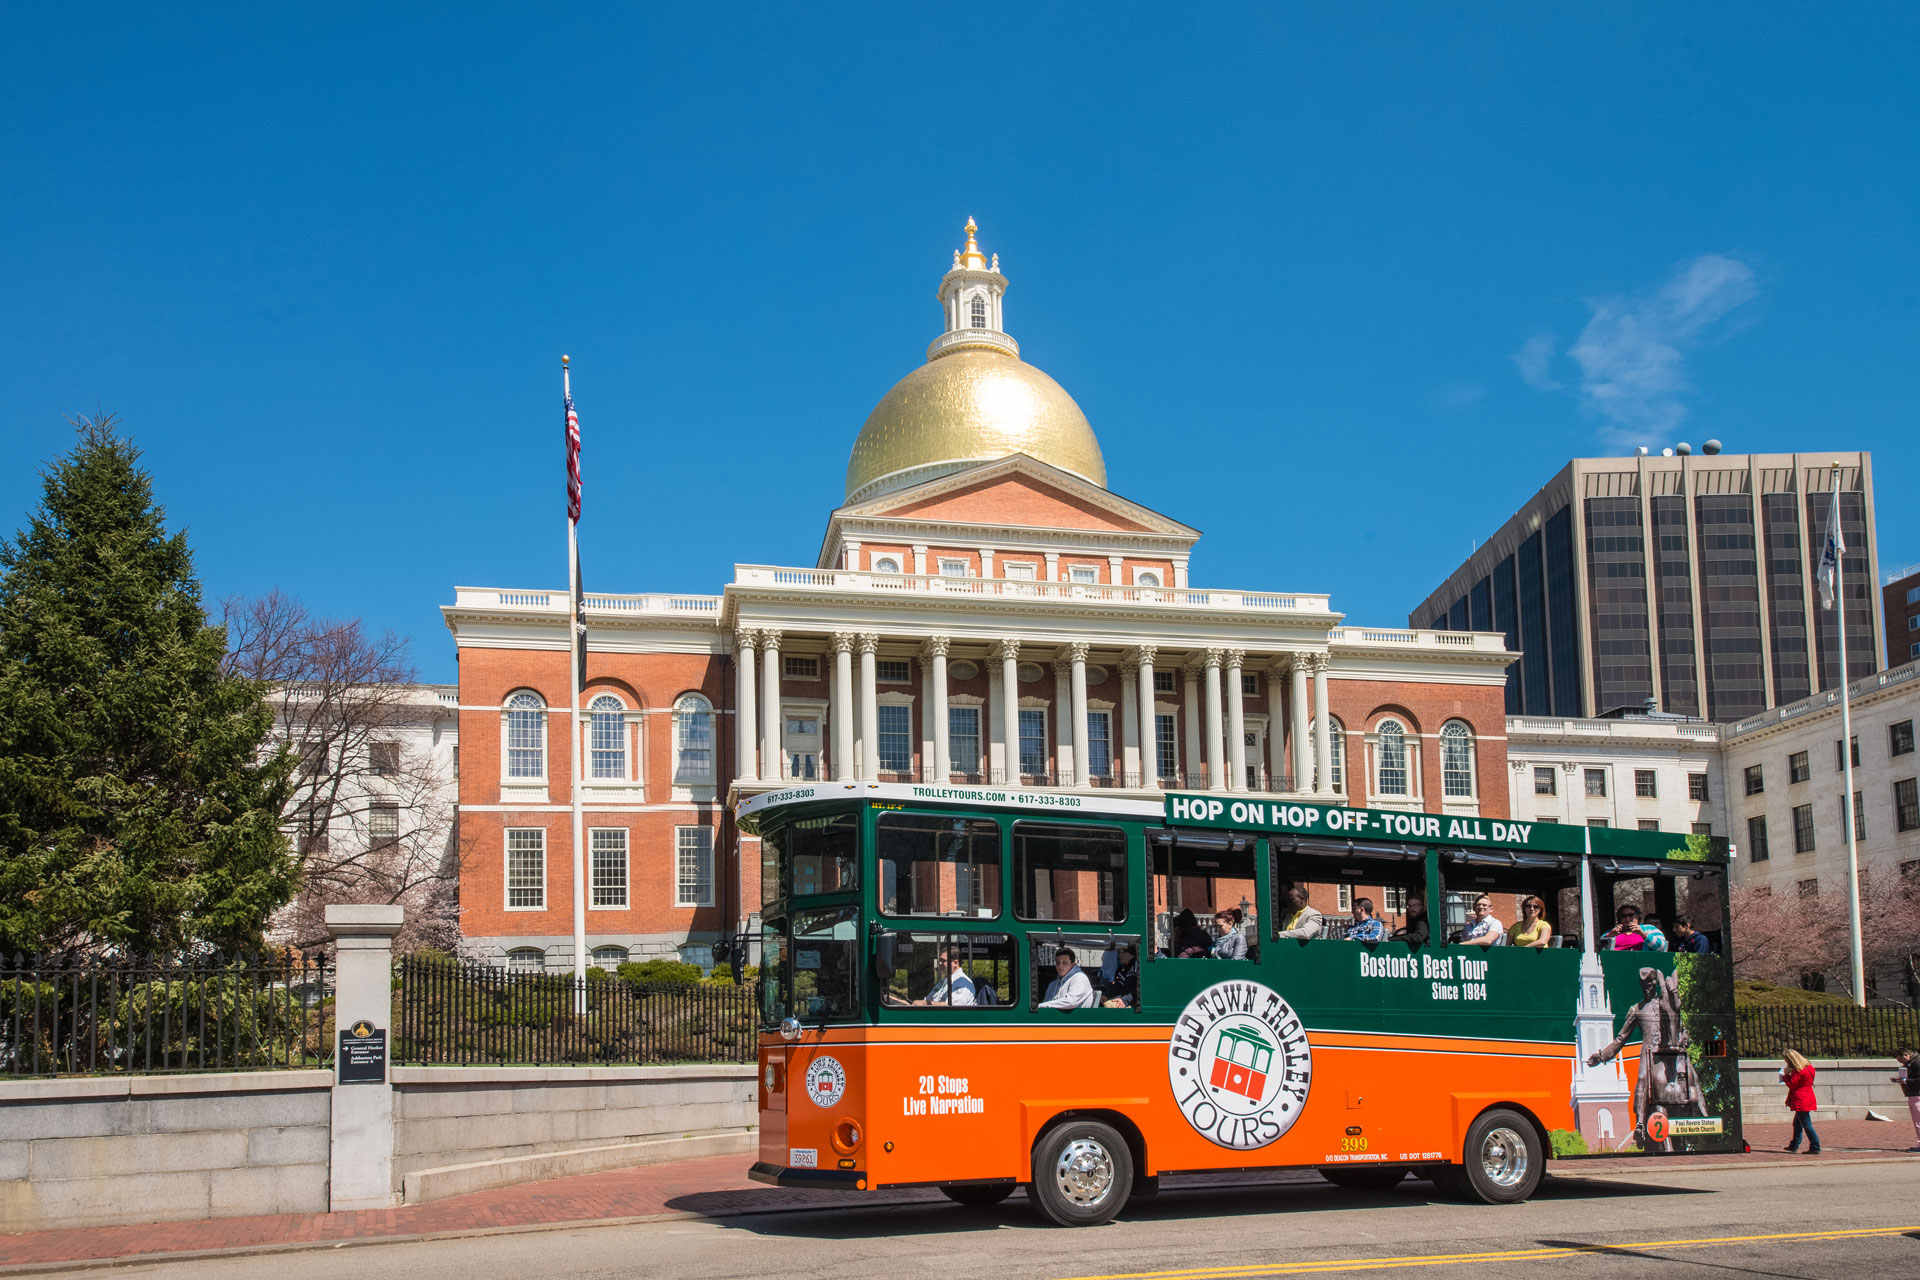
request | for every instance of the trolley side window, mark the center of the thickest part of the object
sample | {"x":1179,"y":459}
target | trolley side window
{"x":1355,"y":890}
{"x":824,"y":853}
{"x":1073,"y":972}
{"x":938,"y":865}
{"x":1196,"y":876}
{"x":1069,"y":873}
{"x":826,"y":964}
{"x":1487,"y":893}
{"x":950,"y":970}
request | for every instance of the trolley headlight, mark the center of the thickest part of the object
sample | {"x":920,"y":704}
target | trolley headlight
{"x":789,"y":1028}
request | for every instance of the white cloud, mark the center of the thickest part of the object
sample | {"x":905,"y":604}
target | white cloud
{"x":1632,"y":353}
{"x":1533,"y":358}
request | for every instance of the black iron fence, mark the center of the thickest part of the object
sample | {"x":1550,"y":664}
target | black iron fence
{"x":67,"y":1016}
{"x":450,"y":1011}
{"x":1824,"y":1031}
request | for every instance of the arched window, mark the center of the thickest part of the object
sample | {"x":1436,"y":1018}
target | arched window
{"x":692,"y":739}
{"x":607,"y":738}
{"x":1146,"y":578}
{"x":609,"y":958}
{"x":1456,"y":759}
{"x":526,"y":735}
{"x":1391,"y":758}
{"x":1336,"y":750}
{"x":886,"y":564}
{"x":979,"y":311}
{"x":527,"y":960}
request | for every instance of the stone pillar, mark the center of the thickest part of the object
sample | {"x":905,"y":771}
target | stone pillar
{"x":1236,"y":722}
{"x":772,"y":756}
{"x":920,"y":559}
{"x":925,"y":771}
{"x":362,"y":1155}
{"x":1149,"y":724}
{"x":1322,"y":728}
{"x":937,"y":695}
{"x":1196,"y":758}
{"x":1216,"y":755}
{"x":869,"y":707}
{"x":1007,"y":653}
{"x":1297,"y":706}
{"x":1276,"y":730}
{"x":1180,"y":572}
{"x":1065,"y":764}
{"x":993,"y":765}
{"x":746,"y":728}
{"x":1082,"y":736}
{"x":1129,"y":723}
{"x":842,"y":713}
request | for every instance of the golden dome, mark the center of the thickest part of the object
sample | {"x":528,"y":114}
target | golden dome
{"x":969,"y":405}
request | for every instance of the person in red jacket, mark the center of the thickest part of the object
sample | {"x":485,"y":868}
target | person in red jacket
{"x":1797,"y":1075}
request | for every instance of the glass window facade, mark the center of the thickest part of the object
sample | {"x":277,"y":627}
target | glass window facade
{"x":1786,"y":597}
{"x":1730,"y":605}
{"x":1617,"y":604}
{"x":963,"y":739}
{"x":1033,"y":741}
{"x":608,"y":847}
{"x":1530,"y":598}
{"x":1673,"y":611}
{"x":1563,"y":631}
{"x":1507,"y":621}
{"x":896,"y":738}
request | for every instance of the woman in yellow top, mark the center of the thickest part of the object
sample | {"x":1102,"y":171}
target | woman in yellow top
{"x":1531,"y":929}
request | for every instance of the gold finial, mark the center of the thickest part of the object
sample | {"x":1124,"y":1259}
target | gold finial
{"x":971,"y":255}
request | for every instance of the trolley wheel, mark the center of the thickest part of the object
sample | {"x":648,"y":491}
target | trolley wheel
{"x":1367,"y":1177}
{"x":1082,"y":1172}
{"x":1502,"y":1162}
{"x":979,"y":1195}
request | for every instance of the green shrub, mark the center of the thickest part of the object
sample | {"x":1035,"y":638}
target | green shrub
{"x":1747,"y":991}
{"x":1567,"y":1143}
{"x":659,"y":973}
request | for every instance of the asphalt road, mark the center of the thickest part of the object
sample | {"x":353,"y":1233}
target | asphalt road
{"x":1857,"y":1221}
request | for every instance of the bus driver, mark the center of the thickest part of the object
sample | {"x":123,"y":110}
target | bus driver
{"x":956,"y":988}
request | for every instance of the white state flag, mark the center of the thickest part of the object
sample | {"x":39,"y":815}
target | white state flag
{"x":1830,"y":550}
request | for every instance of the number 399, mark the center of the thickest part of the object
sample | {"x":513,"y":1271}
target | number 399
{"x":1353,"y":1144}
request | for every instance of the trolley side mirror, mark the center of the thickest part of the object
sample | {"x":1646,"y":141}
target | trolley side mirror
{"x":885,"y":951}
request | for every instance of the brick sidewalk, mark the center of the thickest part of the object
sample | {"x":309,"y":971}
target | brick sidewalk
{"x":717,"y":1186}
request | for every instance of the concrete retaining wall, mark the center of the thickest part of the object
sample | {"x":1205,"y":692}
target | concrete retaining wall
{"x":1845,"y":1088}
{"x":94,"y":1152}
{"x":468,"y":1115}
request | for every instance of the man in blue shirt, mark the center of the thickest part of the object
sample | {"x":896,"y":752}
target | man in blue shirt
{"x":1687,"y":938}
{"x":956,"y":988}
{"x":1366,"y":926}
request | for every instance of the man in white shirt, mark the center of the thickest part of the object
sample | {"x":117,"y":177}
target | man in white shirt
{"x":1070,"y":990}
{"x":956,"y":988}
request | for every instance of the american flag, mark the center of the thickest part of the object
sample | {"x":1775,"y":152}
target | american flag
{"x":573,"y":460}
{"x":1831,"y":548}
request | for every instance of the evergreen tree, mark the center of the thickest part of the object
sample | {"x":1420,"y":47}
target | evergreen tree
{"x":139,"y":794}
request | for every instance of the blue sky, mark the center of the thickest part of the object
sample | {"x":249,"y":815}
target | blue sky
{"x":1340,"y":285}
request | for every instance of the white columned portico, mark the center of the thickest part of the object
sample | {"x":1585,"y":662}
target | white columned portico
{"x":1236,"y":722}
{"x":843,"y":706}
{"x":1297,"y":707}
{"x":1007,"y":654}
{"x":771,"y":756}
{"x":1129,"y":767}
{"x":1322,"y":728}
{"x":1082,"y":736}
{"x":1149,"y":724}
{"x":1065,"y":768}
{"x":937,"y":696}
{"x":1196,"y":759}
{"x":1276,"y":729}
{"x":746,"y":731}
{"x":1216,"y":756}
{"x":869,"y":707}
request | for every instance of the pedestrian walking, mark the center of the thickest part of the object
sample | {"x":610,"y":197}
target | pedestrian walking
{"x":1908,"y":1078}
{"x":1797,"y":1075}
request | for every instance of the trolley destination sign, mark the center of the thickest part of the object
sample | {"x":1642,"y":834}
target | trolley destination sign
{"x":1284,"y":817}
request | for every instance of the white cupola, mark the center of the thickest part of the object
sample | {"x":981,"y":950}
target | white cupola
{"x":970,"y":296}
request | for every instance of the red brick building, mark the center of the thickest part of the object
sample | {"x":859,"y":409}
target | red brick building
{"x":982,"y":610}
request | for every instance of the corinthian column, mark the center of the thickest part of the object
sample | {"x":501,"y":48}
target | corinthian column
{"x":1065,"y":766}
{"x":746,"y":729}
{"x":1216,"y":755}
{"x":1082,"y":736}
{"x":1007,"y":654}
{"x":1297,"y":707}
{"x":842,"y":714}
{"x":1129,"y":766}
{"x":1149,"y":723}
{"x":1236,"y":722}
{"x":1276,"y":728}
{"x":869,"y":707}
{"x":771,"y":755}
{"x":1322,"y":729}
{"x":1196,"y":757}
{"x":942,"y":765}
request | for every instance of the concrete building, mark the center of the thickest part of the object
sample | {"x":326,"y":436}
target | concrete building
{"x":1900,"y":607}
{"x":1629,"y":579}
{"x":1653,"y":773}
{"x":982,"y":610}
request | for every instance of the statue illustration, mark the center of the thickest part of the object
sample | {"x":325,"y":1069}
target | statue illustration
{"x":1668,"y":1081}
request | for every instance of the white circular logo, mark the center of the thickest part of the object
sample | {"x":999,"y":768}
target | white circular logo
{"x":1239,"y":1064}
{"x":826,"y":1080}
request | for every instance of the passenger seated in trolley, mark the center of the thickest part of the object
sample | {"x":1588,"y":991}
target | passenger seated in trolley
{"x":1414,"y":931}
{"x":955,"y":988}
{"x":1300,"y":920}
{"x":1071,"y":990}
{"x":1366,"y":926}
{"x":1231,"y":944}
{"x":1483,"y":927}
{"x":1124,"y":991}
{"x":1531,"y":929}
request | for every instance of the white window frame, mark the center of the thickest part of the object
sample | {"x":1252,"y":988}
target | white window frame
{"x":515,"y":957}
{"x":625,"y":855}
{"x":1147,"y":578}
{"x":685,"y":706}
{"x":604,"y":703}
{"x":1458,"y":735}
{"x":1020,"y":746}
{"x":800,"y":666}
{"x":506,"y":867}
{"x":1084,"y":574}
{"x":530,"y":704}
{"x":886,"y":564}
{"x":593,"y":956}
{"x":1380,"y":737}
{"x":701,"y":846}
{"x":1105,"y":719}
{"x":953,"y":567}
{"x":903,"y":706}
{"x":954,"y":763}
{"x":893,"y":670}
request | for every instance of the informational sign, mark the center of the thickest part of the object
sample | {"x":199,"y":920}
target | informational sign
{"x":363,"y":1054}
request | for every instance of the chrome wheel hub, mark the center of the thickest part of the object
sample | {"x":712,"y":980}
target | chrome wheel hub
{"x":1084,"y":1172}
{"x":1503,"y":1157}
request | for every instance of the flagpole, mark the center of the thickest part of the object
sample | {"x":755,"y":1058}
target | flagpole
{"x":1850,"y":819}
{"x":573,"y":751}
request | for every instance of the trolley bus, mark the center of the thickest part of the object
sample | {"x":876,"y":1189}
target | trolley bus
{"x":981,"y":989}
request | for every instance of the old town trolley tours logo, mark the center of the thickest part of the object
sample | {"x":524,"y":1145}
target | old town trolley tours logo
{"x":826,"y":1080}
{"x":1239,"y":1064}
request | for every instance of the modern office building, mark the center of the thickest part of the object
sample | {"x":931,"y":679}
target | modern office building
{"x":1682,"y":581}
{"x":1900,"y":606}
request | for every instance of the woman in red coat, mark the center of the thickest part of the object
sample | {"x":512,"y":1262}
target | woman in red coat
{"x":1797,"y":1075}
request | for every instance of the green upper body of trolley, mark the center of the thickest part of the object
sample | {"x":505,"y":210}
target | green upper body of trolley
{"x":841,"y":945}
